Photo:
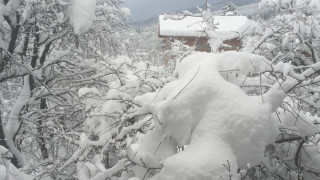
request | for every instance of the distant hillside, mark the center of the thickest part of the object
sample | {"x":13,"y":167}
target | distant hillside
{"x":219,"y":5}
{"x":249,"y":10}
{"x":142,"y":24}
{"x":245,"y":7}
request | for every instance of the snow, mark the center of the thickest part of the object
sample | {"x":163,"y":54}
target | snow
{"x":303,"y":122}
{"x":9,"y":171}
{"x":116,"y":94}
{"x":230,"y":13}
{"x":250,"y":28}
{"x":13,"y":173}
{"x":4,"y":152}
{"x":310,"y":4}
{"x":278,"y":91}
{"x":13,"y":5}
{"x":121,"y":59}
{"x":280,"y":3}
{"x":266,"y":35}
{"x":1,"y":12}
{"x":9,"y":10}
{"x":135,"y":126}
{"x":134,"y":178}
{"x":149,"y":160}
{"x":288,"y":152}
{"x":13,"y":123}
{"x":126,"y":13}
{"x":83,"y":143}
{"x":82,"y":14}
{"x":198,"y":161}
{"x":195,"y":26}
{"x":215,"y":118}
{"x":93,"y":91}
{"x":60,"y":17}
{"x":315,"y":4}
{"x":121,"y":165}
{"x":145,"y":98}
{"x":112,"y":107}
{"x":26,"y":12}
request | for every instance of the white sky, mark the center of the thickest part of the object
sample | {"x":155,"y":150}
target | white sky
{"x":145,"y":9}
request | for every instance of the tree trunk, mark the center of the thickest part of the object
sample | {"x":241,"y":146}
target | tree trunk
{"x":42,"y":140}
{"x":3,"y":143}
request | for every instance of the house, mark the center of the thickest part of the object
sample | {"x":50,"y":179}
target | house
{"x":191,"y":30}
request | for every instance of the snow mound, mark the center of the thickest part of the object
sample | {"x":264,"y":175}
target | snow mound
{"x":219,"y":122}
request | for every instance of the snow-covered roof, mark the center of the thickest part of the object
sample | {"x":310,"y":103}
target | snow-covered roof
{"x":194,"y":26}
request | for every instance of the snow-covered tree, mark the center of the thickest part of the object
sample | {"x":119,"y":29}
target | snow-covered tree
{"x":143,"y":44}
{"x":284,"y":130}
{"x":219,"y":123}
{"x":77,"y":102}
{"x":294,"y":31}
{"x":48,"y":50}
{"x":229,"y":10}
{"x":291,"y":36}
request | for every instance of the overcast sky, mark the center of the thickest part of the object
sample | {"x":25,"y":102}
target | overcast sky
{"x":145,"y":9}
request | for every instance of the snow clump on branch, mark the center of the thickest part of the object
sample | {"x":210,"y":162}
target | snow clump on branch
{"x":215,"y":118}
{"x":82,"y":14}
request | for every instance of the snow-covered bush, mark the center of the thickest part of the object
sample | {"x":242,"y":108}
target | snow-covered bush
{"x":214,"y":118}
{"x":178,"y":50}
{"x":77,"y":102}
{"x":7,"y":169}
{"x":293,"y":32}
{"x":46,"y":52}
{"x":143,"y":44}
{"x":223,"y":128}
{"x":111,"y":118}
{"x":290,"y":38}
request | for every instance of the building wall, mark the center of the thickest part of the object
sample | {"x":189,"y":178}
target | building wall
{"x":202,"y":45}
{"x":230,"y":45}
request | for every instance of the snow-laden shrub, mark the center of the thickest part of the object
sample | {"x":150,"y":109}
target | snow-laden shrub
{"x":109,"y":115}
{"x":220,"y":127}
{"x":290,"y":38}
